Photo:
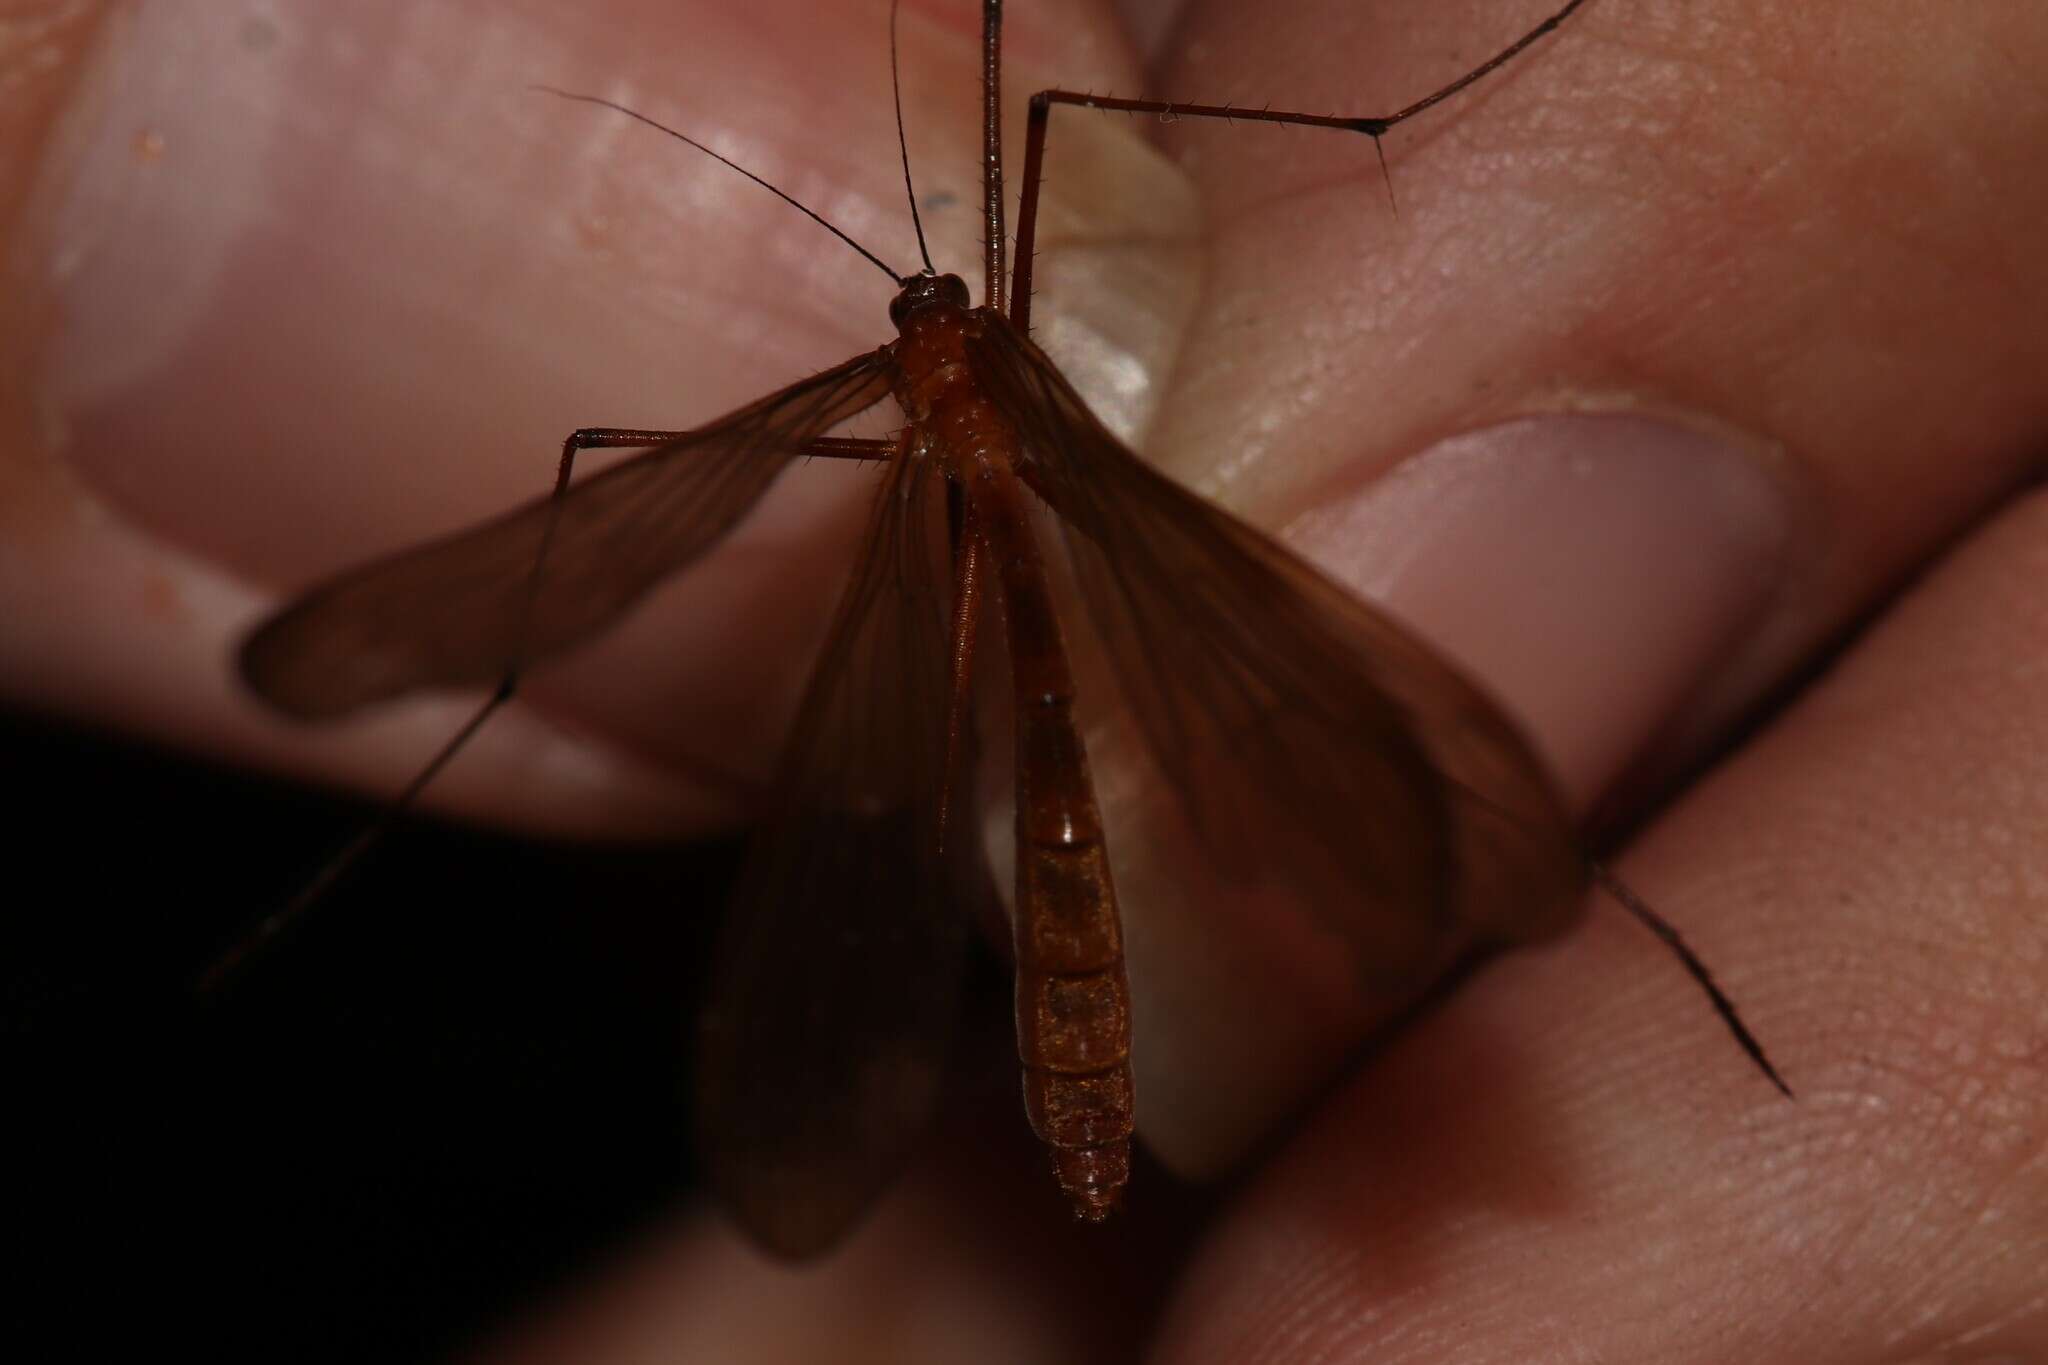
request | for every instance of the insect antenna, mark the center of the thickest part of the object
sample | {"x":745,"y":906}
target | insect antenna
{"x":786,"y":198}
{"x":903,"y":143}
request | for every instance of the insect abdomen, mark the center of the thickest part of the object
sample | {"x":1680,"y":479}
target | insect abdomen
{"x":1073,"y":1004}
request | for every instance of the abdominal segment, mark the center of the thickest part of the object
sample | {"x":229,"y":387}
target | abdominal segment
{"x":1073,"y":1004}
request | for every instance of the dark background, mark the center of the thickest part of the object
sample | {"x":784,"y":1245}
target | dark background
{"x":463,"y":1078}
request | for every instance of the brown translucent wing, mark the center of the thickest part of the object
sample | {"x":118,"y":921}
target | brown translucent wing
{"x":1313,"y":744}
{"x":833,"y":996}
{"x":462,"y":611}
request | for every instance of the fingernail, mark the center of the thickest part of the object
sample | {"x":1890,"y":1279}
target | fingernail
{"x":1588,"y":569}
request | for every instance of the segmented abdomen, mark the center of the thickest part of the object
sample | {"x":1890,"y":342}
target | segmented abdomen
{"x":1073,"y":1002}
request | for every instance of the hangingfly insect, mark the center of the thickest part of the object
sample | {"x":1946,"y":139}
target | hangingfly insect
{"x":1309,"y":743}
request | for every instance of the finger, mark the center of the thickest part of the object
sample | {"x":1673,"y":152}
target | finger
{"x":322,"y":283}
{"x":961,"y":1260}
{"x":1557,"y":249}
{"x":1618,"y":1184}
{"x":1676,"y":235}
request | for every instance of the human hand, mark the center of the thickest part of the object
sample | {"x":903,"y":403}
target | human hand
{"x":1811,"y":227}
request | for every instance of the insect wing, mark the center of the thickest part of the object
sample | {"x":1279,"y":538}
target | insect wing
{"x":464,"y":610}
{"x":833,"y":997}
{"x":1310,"y":742}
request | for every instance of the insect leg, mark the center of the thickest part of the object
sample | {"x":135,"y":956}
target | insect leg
{"x":967,"y":585}
{"x":267,"y":930}
{"x":1373,"y":126}
{"x":615,"y":438}
{"x":601,"y":438}
{"x":620,"y":438}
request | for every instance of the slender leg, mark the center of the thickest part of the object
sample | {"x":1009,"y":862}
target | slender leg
{"x":1668,"y":935}
{"x":967,"y":585}
{"x":267,"y":930}
{"x":265,"y":933}
{"x":992,"y":149}
{"x":1373,"y":126}
{"x":614,"y":438}
{"x":618,"y":438}
{"x":849,"y":448}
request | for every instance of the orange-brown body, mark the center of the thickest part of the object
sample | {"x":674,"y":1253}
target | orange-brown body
{"x":1073,"y":1001}
{"x":1422,"y":811}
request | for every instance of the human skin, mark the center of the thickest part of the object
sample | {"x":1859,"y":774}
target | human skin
{"x":1809,"y":229}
